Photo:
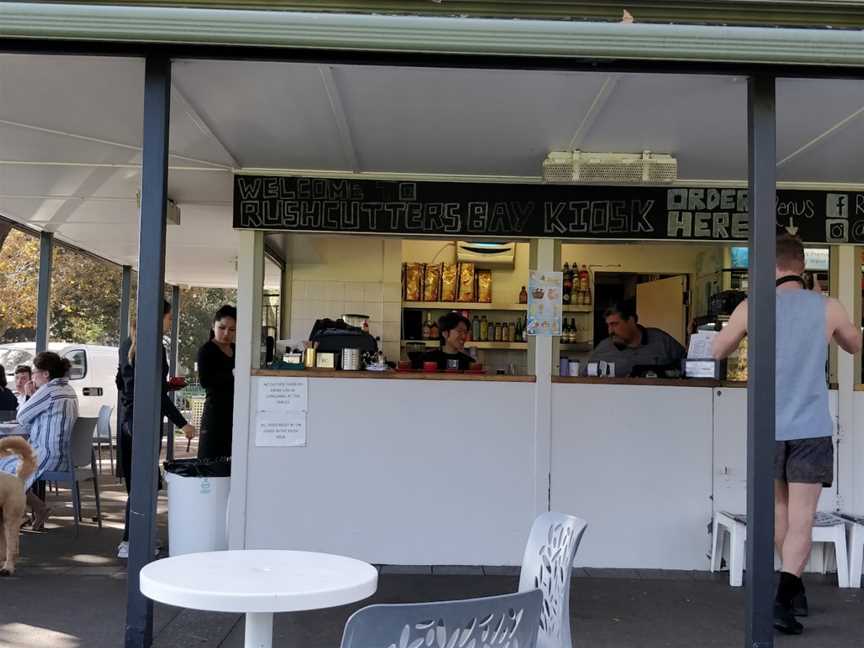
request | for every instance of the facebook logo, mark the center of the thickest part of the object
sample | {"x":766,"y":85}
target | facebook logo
{"x":837,"y":205}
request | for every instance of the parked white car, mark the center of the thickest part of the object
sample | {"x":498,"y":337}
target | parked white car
{"x":92,"y":375}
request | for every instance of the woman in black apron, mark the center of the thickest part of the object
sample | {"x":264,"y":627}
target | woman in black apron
{"x":216,"y":374}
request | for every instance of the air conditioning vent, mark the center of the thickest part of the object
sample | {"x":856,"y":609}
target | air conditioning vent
{"x":579,"y":167}
{"x":486,"y":255}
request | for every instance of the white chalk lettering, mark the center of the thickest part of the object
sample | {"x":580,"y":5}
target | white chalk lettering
{"x":552,"y":223}
{"x":249,"y":189}
{"x":720,"y":226}
{"x":676,"y":199}
{"x":702,"y":225}
{"x":679,"y":224}
{"x":477,"y":214}
{"x":740,"y":226}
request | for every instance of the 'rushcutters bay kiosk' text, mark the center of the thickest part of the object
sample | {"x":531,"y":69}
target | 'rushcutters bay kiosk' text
{"x":525,"y":211}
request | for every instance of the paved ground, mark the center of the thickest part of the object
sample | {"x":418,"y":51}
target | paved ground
{"x":70,"y":593}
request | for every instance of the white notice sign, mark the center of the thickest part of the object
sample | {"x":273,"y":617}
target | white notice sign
{"x":280,"y":429}
{"x":700,"y":345}
{"x":283,"y":394}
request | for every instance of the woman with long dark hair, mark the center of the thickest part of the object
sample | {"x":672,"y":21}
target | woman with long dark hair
{"x":126,"y":387}
{"x":216,"y":374}
{"x":49,"y":417}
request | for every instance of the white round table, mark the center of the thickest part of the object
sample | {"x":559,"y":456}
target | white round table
{"x":258,"y":583}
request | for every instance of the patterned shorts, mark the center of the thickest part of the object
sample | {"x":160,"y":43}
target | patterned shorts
{"x":805,"y":461}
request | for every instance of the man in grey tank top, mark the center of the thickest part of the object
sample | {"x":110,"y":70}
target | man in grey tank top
{"x":804,"y":453}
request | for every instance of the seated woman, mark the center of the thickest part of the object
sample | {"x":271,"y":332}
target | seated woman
{"x":49,"y":417}
{"x":8,"y":401}
{"x":454,"y":329}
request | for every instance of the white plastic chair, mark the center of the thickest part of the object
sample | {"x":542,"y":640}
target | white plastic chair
{"x":547,"y":565}
{"x":82,"y":467}
{"x":490,"y":622}
{"x":827,"y":528}
{"x":103,"y":435}
{"x":856,"y":547}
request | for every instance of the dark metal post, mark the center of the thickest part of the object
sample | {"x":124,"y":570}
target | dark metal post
{"x":125,"y":297}
{"x":147,"y":417}
{"x":43,"y":296}
{"x":761,"y":363}
{"x":172,"y":362}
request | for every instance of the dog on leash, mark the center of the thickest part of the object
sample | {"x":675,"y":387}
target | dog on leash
{"x":13,"y":499}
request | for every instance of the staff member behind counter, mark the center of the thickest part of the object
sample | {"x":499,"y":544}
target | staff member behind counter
{"x":631,"y":345}
{"x":454,"y":333}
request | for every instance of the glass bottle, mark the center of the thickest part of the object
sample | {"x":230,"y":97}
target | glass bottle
{"x":484,"y":329}
{"x":427,"y":327}
{"x":583,"y":278}
{"x":523,"y":296}
{"x":568,"y":283}
{"x":475,"y":328}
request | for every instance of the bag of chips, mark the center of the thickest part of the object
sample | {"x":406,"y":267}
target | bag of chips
{"x":484,"y":286}
{"x":432,"y":283}
{"x":449,"y":282}
{"x":413,"y":281}
{"x":466,"y":282}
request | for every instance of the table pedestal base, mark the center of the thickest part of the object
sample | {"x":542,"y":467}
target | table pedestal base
{"x":259,"y":630}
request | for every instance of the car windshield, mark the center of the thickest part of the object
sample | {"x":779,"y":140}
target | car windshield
{"x":11,"y":358}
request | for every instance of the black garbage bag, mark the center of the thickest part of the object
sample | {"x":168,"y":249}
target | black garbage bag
{"x":220,"y":467}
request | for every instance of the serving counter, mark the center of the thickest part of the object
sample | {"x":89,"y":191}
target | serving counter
{"x":450,"y":468}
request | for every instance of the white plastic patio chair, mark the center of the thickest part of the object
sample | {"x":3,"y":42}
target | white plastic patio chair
{"x":490,"y":622}
{"x":548,"y":566}
{"x":82,"y":467}
{"x":103,"y":435}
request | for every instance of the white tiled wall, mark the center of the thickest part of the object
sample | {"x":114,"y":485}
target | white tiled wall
{"x":312,"y":300}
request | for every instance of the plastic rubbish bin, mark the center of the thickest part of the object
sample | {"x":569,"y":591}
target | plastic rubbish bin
{"x":197,"y":504}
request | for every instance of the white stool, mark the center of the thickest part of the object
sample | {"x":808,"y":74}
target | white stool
{"x":827,"y":528}
{"x":856,"y":547}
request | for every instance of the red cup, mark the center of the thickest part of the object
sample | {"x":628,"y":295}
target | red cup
{"x":430,"y":366}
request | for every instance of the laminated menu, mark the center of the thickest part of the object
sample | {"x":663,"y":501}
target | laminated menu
{"x":413,"y":281}
{"x":466,"y":282}
{"x":484,"y":286}
{"x":432,"y":283}
{"x":449,"y":282}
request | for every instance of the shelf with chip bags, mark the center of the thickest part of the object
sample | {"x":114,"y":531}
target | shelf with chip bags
{"x":469,"y":306}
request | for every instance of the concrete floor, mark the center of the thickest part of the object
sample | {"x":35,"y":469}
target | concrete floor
{"x":71,"y":593}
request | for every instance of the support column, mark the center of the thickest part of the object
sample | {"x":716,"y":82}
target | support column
{"x":545,"y":254}
{"x":848,"y":373}
{"x":172,"y":363}
{"x":147,"y":417}
{"x":250,"y":285}
{"x":761,"y":363}
{"x":43,"y":296}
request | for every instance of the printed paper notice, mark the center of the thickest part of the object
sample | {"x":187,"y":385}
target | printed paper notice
{"x":700,"y":345}
{"x":282,"y":394}
{"x":280,"y":429}
{"x":545,"y":291}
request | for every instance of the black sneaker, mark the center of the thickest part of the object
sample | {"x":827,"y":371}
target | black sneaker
{"x":785,"y":621}
{"x":799,"y":605}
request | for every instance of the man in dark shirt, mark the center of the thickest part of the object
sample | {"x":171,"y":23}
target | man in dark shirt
{"x":454,"y":333}
{"x":630,"y":345}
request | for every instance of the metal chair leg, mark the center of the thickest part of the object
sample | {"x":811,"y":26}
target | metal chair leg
{"x":76,"y":505}
{"x":96,"y":491}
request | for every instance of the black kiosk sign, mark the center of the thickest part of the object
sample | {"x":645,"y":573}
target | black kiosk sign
{"x":527,"y":211}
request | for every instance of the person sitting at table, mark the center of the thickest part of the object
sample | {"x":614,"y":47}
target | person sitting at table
{"x":8,"y":402}
{"x":631,"y":345}
{"x":24,"y":387}
{"x":48,"y":417}
{"x":454,"y":329}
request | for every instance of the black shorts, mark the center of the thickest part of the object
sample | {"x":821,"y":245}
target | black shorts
{"x":805,"y":461}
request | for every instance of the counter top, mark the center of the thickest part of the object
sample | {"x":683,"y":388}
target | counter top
{"x":658,"y":382}
{"x":390,"y":375}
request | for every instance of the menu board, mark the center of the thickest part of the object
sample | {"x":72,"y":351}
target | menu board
{"x":281,"y":411}
{"x":545,"y":291}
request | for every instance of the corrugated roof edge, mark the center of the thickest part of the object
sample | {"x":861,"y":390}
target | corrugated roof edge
{"x":432,"y":35}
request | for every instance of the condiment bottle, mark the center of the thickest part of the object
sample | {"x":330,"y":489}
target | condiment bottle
{"x":475,"y":328}
{"x":523,"y":296}
{"x":568,"y":283}
{"x":583,"y":278}
{"x":484,"y":329}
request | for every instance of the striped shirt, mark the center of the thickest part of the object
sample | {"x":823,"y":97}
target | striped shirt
{"x":49,"y":417}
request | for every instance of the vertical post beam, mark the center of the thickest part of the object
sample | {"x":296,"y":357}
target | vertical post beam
{"x":147,"y":417}
{"x":545,"y":254}
{"x":848,"y":372}
{"x":761,"y":363}
{"x":43,"y":296}
{"x":250,"y":285}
